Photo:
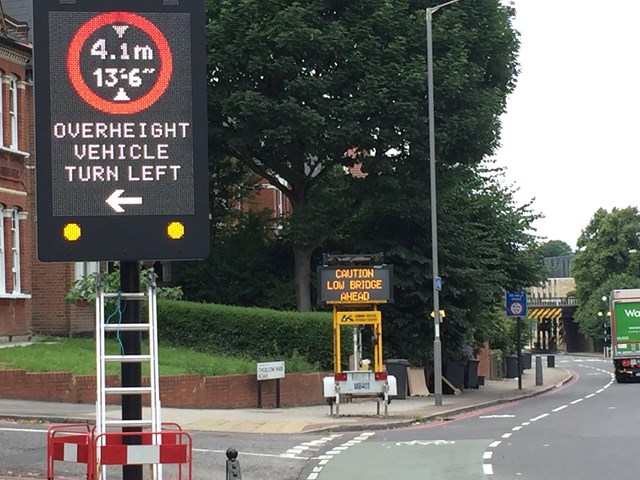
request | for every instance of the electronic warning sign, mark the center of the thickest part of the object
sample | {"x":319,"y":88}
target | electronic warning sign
{"x":121,"y":140}
{"x":355,"y":284}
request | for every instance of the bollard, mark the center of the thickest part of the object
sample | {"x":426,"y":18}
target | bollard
{"x":551,"y":361}
{"x":233,"y":465}
{"x":538,"y":370}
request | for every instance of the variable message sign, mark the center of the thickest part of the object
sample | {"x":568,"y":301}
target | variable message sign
{"x":355,"y":284}
{"x":121,"y":139}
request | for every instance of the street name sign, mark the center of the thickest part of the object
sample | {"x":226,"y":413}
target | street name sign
{"x":121,"y":130}
{"x":270,"y":370}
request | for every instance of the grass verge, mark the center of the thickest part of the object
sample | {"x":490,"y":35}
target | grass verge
{"x":78,"y":356}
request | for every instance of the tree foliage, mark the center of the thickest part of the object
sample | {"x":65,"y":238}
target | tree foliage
{"x":592,"y":315}
{"x":608,"y":258}
{"x":554,"y":248}
{"x":300,"y":88}
{"x":607,"y":246}
{"x":248,"y":266}
{"x":486,"y":245}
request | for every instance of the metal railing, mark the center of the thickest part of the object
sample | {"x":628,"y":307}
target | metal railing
{"x":552,"y":302}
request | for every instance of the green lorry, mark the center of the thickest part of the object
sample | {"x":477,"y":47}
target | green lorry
{"x":625,"y":334}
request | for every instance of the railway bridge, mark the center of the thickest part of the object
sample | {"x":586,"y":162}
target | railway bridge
{"x":553,"y":325}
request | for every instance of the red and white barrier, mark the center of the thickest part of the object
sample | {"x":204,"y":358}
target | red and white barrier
{"x":77,"y":443}
{"x":70,"y":443}
{"x":156,"y":448}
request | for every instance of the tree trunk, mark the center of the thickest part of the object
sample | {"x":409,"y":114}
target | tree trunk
{"x":302,"y":256}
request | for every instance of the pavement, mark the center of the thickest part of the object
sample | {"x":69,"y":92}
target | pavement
{"x":357,"y":415}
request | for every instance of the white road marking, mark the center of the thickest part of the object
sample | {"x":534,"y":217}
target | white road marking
{"x":488,"y":468}
{"x":324,"y":459}
{"x":252,"y":454}
{"x":539,"y":417}
{"x":25,"y":430}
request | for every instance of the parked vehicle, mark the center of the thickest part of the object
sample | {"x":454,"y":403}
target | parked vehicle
{"x":625,"y":334}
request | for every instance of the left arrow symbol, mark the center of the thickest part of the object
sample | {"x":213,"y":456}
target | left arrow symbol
{"x":115,"y":200}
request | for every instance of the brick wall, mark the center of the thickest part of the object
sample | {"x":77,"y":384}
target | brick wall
{"x":52,"y":315}
{"x":178,"y":391}
{"x":483,"y":357}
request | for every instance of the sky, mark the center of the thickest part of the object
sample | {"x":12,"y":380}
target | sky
{"x":571,"y":136}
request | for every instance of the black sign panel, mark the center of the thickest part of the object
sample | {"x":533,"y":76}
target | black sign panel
{"x":355,"y":284}
{"x":121,"y":130}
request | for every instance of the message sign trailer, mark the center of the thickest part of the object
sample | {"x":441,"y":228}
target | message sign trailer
{"x":625,"y":334}
{"x":121,"y":130}
{"x":362,"y":381}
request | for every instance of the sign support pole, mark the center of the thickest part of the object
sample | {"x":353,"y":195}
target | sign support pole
{"x":131,"y":372}
{"x":519,"y":348}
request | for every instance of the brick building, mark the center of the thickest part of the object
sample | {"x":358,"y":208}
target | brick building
{"x":16,"y":180}
{"x":31,"y":293}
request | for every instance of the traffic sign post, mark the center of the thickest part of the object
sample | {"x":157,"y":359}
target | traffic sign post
{"x":121,"y":130}
{"x":121,"y":144}
{"x":516,"y":306}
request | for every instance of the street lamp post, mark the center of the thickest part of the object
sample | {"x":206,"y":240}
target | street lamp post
{"x":605,"y":317}
{"x":437,"y":347}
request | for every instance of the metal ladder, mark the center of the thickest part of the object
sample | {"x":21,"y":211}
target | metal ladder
{"x":114,"y":324}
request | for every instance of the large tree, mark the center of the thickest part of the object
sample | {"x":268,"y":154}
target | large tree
{"x":300,"y":89}
{"x":554,"y":248}
{"x":608,"y":245}
{"x":486,"y":244}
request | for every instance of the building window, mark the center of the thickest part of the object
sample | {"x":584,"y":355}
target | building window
{"x":3,"y":261}
{"x":13,"y":112}
{"x":84,"y":269}
{"x":15,"y":250}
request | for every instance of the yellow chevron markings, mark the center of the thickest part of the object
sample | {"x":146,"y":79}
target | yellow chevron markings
{"x":543,"y":313}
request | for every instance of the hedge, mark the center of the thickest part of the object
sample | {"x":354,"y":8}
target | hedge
{"x":257,"y":333}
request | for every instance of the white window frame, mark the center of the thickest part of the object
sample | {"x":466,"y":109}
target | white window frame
{"x":83,"y":269}
{"x":13,"y":111}
{"x":15,"y":250}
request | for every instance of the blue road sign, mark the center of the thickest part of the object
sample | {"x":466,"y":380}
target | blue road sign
{"x":516,"y":304}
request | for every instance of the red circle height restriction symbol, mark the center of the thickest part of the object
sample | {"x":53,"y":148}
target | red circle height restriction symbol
{"x":87,"y":94}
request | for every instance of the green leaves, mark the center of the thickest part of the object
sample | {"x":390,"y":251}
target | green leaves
{"x":607,"y":258}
